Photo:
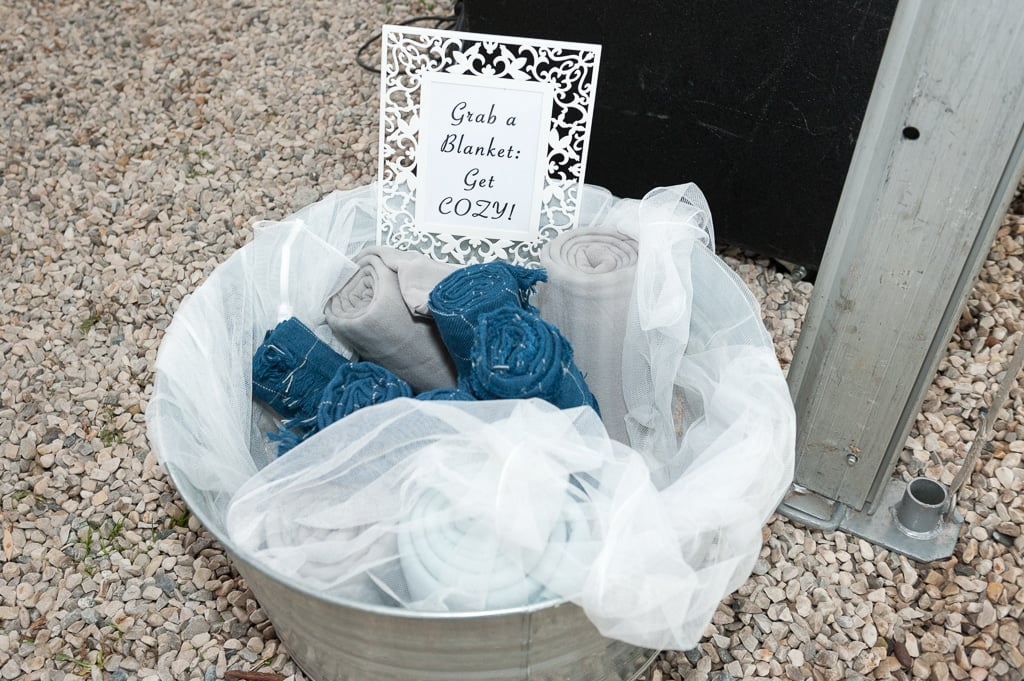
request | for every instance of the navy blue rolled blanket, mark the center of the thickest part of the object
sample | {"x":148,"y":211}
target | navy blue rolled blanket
{"x":516,"y":354}
{"x":452,"y":394}
{"x":354,"y":385}
{"x":458,"y":301}
{"x":357,"y":385}
{"x":291,"y":368}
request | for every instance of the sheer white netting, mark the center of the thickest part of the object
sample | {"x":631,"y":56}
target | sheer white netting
{"x":470,"y":506}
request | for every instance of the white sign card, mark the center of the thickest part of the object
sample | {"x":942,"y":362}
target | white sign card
{"x":483,"y":142}
{"x":482,"y":156}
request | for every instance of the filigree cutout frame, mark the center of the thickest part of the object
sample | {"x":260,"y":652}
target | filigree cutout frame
{"x":408,"y":56}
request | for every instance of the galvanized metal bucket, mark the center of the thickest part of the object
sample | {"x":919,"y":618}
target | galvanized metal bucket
{"x":334,"y":640}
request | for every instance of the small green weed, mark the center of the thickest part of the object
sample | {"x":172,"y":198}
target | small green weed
{"x":88,"y":660}
{"x":111,"y":436}
{"x":82,"y":667}
{"x":182,"y":519}
{"x":193,"y":161}
{"x":87,"y":540}
{"x":89,"y":322}
{"x":99,"y":540}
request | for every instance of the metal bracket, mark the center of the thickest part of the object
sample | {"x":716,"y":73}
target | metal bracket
{"x":812,"y":510}
{"x":932,"y":536}
{"x":885,"y":528}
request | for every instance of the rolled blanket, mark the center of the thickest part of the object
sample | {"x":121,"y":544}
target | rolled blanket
{"x":590,"y":282}
{"x":460,"y":563}
{"x":516,"y":354}
{"x":356,"y":385}
{"x":459,"y":300}
{"x":455,"y":394}
{"x":306,"y":545}
{"x":380,"y":312}
{"x":291,"y":368}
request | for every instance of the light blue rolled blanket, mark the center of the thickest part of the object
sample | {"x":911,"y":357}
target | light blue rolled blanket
{"x":516,"y":354}
{"x":458,"y":301}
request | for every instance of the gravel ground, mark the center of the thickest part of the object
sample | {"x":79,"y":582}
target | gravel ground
{"x":139,"y":143}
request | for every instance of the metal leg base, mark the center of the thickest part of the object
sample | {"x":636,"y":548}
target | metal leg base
{"x":884,"y":527}
{"x":930,"y":536}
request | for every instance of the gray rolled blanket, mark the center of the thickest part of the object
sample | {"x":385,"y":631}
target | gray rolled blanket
{"x":381,"y":313}
{"x":590,"y":282}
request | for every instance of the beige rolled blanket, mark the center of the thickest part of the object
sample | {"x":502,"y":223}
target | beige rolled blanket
{"x":590,"y":281}
{"x":381,"y":312}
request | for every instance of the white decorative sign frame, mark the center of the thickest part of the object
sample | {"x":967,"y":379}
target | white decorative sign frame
{"x":414,"y":57}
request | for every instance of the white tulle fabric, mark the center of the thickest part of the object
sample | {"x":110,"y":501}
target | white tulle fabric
{"x":480,"y":506}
